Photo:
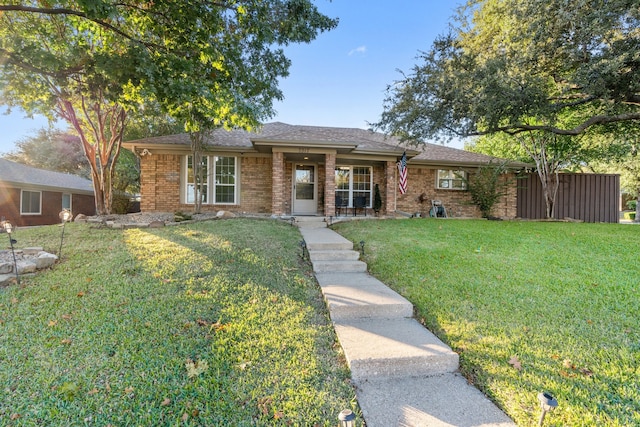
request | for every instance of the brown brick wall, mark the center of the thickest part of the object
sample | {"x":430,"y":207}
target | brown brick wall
{"x":422,"y":182}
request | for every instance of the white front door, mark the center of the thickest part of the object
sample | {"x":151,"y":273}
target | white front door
{"x":305,"y":194}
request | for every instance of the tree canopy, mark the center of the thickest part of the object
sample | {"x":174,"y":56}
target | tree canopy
{"x":92,"y":62}
{"x":563,"y":67}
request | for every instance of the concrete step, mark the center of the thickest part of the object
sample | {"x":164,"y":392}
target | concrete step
{"x":310,"y":222}
{"x":359,"y":295}
{"x":324,"y":239}
{"x":341,"y":255}
{"x":392,"y":348}
{"x":444,"y":400}
{"x":341,"y":266}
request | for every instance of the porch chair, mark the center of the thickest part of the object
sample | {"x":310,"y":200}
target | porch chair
{"x":437,"y":209}
{"x":359,"y":202}
{"x":341,"y":204}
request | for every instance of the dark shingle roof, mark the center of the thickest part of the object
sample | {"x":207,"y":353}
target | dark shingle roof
{"x":360,"y":140}
{"x":16,"y":174}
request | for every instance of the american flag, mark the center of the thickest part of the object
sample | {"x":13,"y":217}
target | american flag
{"x":402,"y":168}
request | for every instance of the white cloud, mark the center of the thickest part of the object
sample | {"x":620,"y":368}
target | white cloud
{"x":361,"y":50}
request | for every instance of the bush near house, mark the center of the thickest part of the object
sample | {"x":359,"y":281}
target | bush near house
{"x":529,"y":306}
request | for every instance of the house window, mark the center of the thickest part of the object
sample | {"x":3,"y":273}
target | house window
{"x":66,"y":201}
{"x":30,"y":202}
{"x":451,"y":179}
{"x":220,"y":178}
{"x":354,"y":181}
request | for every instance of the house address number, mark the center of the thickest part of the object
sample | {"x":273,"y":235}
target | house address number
{"x":303,"y":150}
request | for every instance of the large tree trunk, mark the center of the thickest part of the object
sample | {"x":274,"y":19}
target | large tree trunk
{"x":100,"y":126}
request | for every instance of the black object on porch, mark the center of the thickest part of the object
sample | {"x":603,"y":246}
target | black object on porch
{"x":359,"y":202}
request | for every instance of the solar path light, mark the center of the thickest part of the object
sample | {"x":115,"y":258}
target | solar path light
{"x":65,"y":216}
{"x":9,"y":229}
{"x":547,"y":403}
{"x":347,"y":418}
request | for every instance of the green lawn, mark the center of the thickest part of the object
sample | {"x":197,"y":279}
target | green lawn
{"x":529,"y":306}
{"x":213,"y":323}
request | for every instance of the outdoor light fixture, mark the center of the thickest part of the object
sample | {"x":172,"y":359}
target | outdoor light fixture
{"x":65,"y":216}
{"x":547,"y":403}
{"x":347,"y":418}
{"x":303,"y":246}
{"x":9,"y":228}
{"x":362,"y":246}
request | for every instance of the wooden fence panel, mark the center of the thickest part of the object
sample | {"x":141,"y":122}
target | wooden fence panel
{"x":585,"y":197}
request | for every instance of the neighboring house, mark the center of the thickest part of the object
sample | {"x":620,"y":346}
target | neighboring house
{"x":30,"y":196}
{"x":303,"y":170}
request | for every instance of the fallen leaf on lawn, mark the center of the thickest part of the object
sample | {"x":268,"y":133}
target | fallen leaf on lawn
{"x":53,"y":322}
{"x":66,"y":341}
{"x":515,"y":363}
{"x":589,"y":321}
{"x":80,"y":294}
{"x":66,"y":316}
{"x":128,"y":390}
{"x":93,"y":391}
{"x":14,"y":301}
{"x":568,"y":364}
{"x":586,"y":371}
{"x":278,"y":415}
{"x":202,"y":322}
{"x":166,"y":402}
{"x":15,"y":416}
{"x":185,"y":416}
{"x":195,"y":413}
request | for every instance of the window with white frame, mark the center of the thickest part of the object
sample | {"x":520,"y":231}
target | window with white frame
{"x":219,"y":183}
{"x":30,"y":202}
{"x":66,"y":201}
{"x":450,"y":179}
{"x":354,"y":181}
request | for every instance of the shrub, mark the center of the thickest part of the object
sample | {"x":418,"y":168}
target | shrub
{"x":486,"y":188}
{"x":632,"y":204}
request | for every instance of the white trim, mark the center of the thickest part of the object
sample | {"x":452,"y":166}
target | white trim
{"x":39,"y":203}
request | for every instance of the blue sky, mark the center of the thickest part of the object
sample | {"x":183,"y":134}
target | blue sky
{"x":338,"y":79}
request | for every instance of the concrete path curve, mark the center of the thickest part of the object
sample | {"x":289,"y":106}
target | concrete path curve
{"x":403,"y":374}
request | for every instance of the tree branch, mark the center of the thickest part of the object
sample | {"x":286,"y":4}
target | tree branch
{"x":83,"y":15}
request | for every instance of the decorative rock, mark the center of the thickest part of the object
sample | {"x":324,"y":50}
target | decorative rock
{"x":80,"y":218}
{"x":156,"y":224}
{"x":45,"y":260}
{"x":32,"y":251}
{"x":6,"y":267}
{"x":225,"y":214}
{"x":6,"y":279}
{"x":26,"y":266}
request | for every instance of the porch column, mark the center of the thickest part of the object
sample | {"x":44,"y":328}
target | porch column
{"x":277,"y":186}
{"x":330,"y":184}
{"x":390,"y":196}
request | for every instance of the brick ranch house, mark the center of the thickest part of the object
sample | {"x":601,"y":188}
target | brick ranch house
{"x":31,"y":196}
{"x":285,"y":170}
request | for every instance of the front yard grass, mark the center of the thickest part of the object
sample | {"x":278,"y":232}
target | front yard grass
{"x":216,"y":323}
{"x":529,"y":306}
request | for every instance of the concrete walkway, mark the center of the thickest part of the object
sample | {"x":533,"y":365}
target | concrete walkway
{"x":403,"y":374}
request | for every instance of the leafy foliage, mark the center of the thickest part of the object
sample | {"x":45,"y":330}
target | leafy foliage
{"x":211,"y":323}
{"x":203,"y":63}
{"x":516,"y":66}
{"x":539,"y":307}
{"x":487,"y":186}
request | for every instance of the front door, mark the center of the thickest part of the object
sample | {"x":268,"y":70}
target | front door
{"x":305,"y":200}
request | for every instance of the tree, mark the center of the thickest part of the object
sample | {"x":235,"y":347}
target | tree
{"x":92,"y":63}
{"x":52,"y":149}
{"x":539,"y":69}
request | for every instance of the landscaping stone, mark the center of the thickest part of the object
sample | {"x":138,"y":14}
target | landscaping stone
{"x":156,"y":224}
{"x":6,"y":279}
{"x":45,"y":260}
{"x":225,"y":214}
{"x":26,"y":266}
{"x":32,"y":251}
{"x":6,"y":267}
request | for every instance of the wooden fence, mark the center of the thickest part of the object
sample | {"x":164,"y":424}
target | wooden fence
{"x":586,"y":197}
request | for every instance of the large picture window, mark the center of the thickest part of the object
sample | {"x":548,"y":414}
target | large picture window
{"x":352,"y":182}
{"x":451,"y":179}
{"x":220,"y":178}
{"x":30,"y":202}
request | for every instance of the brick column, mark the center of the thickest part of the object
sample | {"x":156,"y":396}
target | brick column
{"x":390,"y":196}
{"x":277,"y":190}
{"x":330,"y":184}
